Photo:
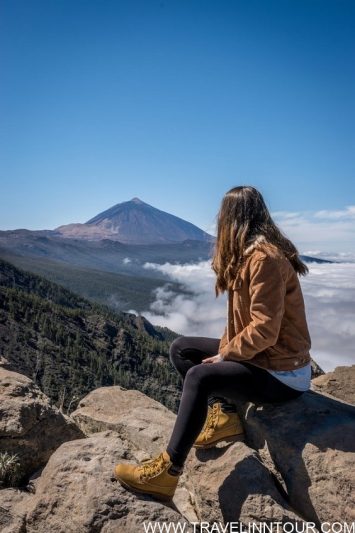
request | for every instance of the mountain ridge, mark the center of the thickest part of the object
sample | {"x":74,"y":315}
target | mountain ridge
{"x":135,"y":222}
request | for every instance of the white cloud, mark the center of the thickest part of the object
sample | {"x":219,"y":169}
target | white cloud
{"x":344,"y":257}
{"x":333,"y":230}
{"x":126,"y":260}
{"x":133,"y":312}
{"x":199,"y":313}
{"x":348,"y":213}
{"x":329,"y":294}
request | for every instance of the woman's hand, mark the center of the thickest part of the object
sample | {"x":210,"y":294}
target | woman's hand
{"x":214,"y":359}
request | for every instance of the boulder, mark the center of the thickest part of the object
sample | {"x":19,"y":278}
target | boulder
{"x":12,"y":510}
{"x":232,"y":484}
{"x":30,"y":426}
{"x":296,"y":465}
{"x":209,"y":487}
{"x":310,"y":441}
{"x":141,"y":421}
{"x":339,"y":383}
{"x":75,"y":492}
{"x":136,"y":417}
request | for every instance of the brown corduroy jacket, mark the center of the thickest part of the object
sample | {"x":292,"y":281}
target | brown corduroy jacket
{"x":266,"y":323}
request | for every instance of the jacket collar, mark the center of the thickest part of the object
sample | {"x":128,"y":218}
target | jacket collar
{"x":257,"y":239}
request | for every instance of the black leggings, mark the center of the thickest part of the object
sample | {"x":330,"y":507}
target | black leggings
{"x":205,"y":383}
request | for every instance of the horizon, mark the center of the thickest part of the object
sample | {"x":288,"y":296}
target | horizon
{"x":293,"y":224}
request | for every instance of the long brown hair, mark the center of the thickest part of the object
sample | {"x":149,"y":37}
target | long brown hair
{"x":242,"y":216}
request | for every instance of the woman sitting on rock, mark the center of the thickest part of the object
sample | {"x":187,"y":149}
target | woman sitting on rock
{"x":263,"y":354}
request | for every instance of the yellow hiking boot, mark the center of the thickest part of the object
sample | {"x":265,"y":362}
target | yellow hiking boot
{"x":149,"y":477}
{"x":219,"y":426}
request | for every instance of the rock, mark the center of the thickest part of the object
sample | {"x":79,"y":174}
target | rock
{"x":232,"y":484}
{"x":136,"y":417}
{"x":5,"y":363}
{"x":147,"y":425}
{"x":75,"y":493}
{"x":339,"y":383}
{"x":296,"y":465}
{"x":311,"y":443}
{"x":30,"y":425}
{"x":12,"y":519}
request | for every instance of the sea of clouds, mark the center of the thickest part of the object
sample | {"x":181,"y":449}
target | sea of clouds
{"x":329,"y":294}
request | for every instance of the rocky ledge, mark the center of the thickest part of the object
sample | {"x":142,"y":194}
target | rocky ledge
{"x":296,"y":464}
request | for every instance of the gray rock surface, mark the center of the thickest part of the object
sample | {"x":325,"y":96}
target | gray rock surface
{"x":296,"y":465}
{"x":339,"y":383}
{"x":136,"y":417}
{"x":232,"y":484}
{"x":30,"y":425}
{"x":13,"y":510}
{"x":75,"y":493}
{"x":148,"y":424}
{"x":310,"y":442}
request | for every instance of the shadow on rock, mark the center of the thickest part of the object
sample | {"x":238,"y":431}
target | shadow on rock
{"x":311,"y":441}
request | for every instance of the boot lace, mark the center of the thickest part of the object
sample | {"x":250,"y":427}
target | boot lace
{"x":152,"y":467}
{"x":212,"y":418}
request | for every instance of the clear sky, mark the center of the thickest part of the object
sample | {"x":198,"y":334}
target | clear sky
{"x":176,"y":101}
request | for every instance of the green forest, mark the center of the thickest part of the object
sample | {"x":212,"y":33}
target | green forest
{"x":70,"y":346}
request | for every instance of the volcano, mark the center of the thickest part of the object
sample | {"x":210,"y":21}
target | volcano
{"x":135,"y":222}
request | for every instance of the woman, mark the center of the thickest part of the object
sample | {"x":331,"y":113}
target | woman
{"x":263,"y":354}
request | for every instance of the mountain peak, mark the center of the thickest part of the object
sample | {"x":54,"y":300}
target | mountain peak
{"x":136,"y":200}
{"x":136,"y":222}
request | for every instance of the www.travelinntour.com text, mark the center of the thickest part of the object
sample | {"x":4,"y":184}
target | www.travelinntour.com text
{"x":255,"y":527}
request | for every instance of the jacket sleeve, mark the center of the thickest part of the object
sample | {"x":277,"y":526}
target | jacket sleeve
{"x":267,"y":290}
{"x":223,"y":340}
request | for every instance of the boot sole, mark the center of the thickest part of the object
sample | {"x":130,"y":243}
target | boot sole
{"x":231,"y":438}
{"x":158,"y":496}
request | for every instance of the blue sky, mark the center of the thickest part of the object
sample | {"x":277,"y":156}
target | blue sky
{"x":176,"y":102}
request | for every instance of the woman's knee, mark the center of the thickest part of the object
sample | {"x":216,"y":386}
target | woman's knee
{"x":198,"y":375}
{"x":175,"y":347}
